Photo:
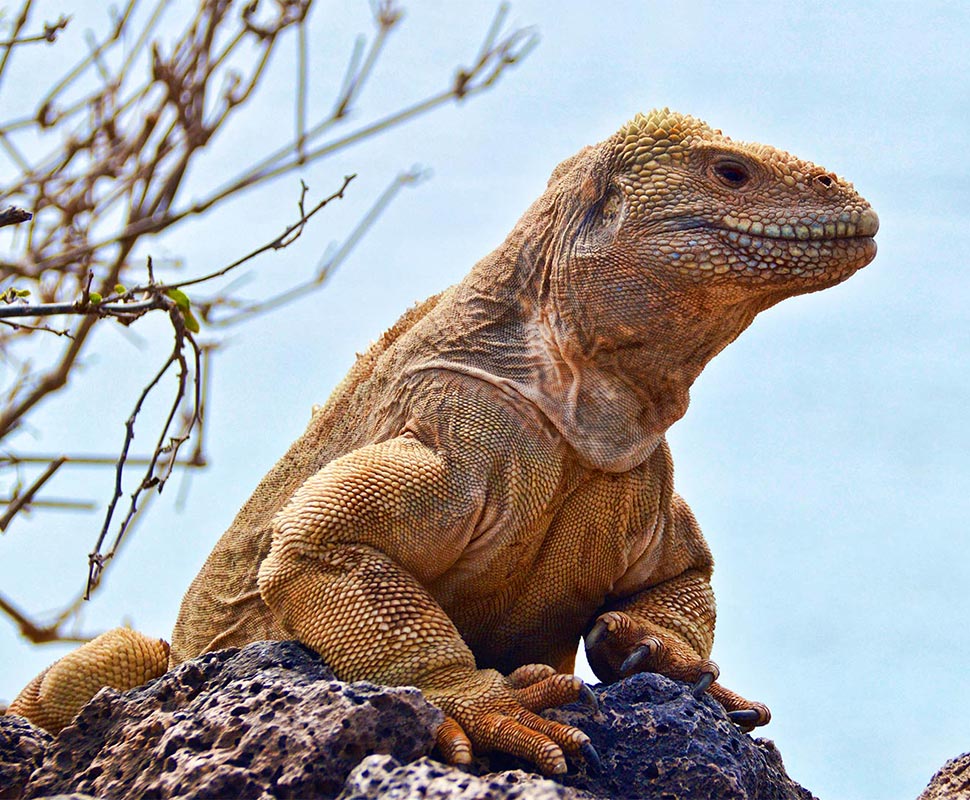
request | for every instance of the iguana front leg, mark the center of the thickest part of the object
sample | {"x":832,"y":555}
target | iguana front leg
{"x":668,"y":627}
{"x":350,"y":554}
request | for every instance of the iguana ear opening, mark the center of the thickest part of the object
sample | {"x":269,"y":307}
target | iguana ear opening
{"x":601,"y":222}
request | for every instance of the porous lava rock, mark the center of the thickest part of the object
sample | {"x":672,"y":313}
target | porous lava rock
{"x":22,"y":749}
{"x":952,"y":782}
{"x":270,"y":721}
{"x":656,"y":739}
{"x":384,"y":777}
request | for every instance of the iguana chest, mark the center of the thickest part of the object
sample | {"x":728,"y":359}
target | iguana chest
{"x":527,"y":589}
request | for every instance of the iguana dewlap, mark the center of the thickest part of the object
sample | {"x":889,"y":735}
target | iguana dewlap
{"x":491,"y":483}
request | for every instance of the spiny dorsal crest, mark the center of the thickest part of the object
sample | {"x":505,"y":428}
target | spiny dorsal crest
{"x":659,"y":136}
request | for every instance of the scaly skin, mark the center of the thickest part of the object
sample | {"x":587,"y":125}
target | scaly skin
{"x":491,"y":481}
{"x":120,"y":658}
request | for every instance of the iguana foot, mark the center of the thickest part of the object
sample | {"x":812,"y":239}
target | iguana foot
{"x":120,"y":658}
{"x":487,"y":711}
{"x":619,"y":645}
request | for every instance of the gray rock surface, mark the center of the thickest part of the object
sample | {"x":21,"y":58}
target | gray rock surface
{"x":22,"y":749}
{"x":386,"y":778}
{"x":656,"y":739}
{"x":269,"y":718}
{"x":269,"y":721}
{"x":952,"y":782}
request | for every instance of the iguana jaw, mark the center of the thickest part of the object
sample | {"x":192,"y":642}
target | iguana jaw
{"x":847,"y":224}
{"x":802,"y":255}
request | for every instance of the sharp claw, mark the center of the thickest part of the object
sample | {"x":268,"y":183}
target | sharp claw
{"x":588,"y":698}
{"x":747,"y":716}
{"x":637,"y":660}
{"x":592,"y":758}
{"x":595,"y":634}
{"x":703,"y":683}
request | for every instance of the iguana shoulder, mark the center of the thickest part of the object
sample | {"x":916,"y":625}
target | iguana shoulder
{"x":222,"y":606}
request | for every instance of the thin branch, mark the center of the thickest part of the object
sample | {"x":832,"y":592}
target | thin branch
{"x":89,"y":460}
{"x":329,"y":263}
{"x":18,"y":26}
{"x":301,"y":89}
{"x":290,"y":235}
{"x":12,"y":215}
{"x":23,"y":326}
{"x":49,"y":34}
{"x":118,"y":310}
{"x":38,"y":634}
{"x":55,"y":504}
{"x":23,"y":500}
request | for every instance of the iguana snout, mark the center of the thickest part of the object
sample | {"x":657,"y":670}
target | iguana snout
{"x":700,"y":209}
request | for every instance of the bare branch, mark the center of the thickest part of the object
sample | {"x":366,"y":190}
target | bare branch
{"x":124,"y":126}
{"x":30,"y":630}
{"x":49,"y":34}
{"x":327,"y":266}
{"x":13,"y":216}
{"x":96,"y":559}
{"x":17,"y":28}
{"x":23,"y":500}
{"x":290,"y":235}
{"x":55,"y":504}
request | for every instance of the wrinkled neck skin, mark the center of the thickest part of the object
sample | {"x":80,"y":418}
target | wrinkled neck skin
{"x":611,"y":374}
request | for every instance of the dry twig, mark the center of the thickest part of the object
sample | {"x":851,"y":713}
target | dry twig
{"x":129,"y":120}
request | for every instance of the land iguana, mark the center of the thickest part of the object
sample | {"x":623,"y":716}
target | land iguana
{"x":491,"y":483}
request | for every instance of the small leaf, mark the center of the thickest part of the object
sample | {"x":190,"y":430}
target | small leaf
{"x":22,"y":292}
{"x":190,"y":321}
{"x":181,"y":299}
{"x":95,"y":297}
{"x":120,"y":289}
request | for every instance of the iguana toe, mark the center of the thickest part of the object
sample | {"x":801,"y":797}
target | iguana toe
{"x":556,"y":690}
{"x":486,"y":713}
{"x":743,"y":713}
{"x":454,"y":746}
{"x":704,"y":682}
{"x":644,"y":654}
{"x":528,"y":674}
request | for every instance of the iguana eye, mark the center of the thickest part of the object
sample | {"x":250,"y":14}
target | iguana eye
{"x":732,"y":174}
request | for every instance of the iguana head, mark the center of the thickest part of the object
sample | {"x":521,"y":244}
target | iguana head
{"x":669,"y":194}
{"x":668,"y":238}
{"x":648,"y":254}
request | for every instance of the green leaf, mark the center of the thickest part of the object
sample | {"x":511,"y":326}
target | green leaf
{"x":95,"y":297}
{"x":181,"y":299}
{"x":22,"y":292}
{"x":120,"y":289}
{"x":190,"y":321}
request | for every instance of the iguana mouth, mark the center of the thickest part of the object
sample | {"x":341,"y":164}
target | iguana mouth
{"x":846,"y":225}
{"x":843,"y":253}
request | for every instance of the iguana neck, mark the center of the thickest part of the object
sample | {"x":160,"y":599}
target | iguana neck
{"x":610,"y":391}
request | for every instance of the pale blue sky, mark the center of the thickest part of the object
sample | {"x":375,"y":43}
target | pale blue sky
{"x":826,"y":453}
